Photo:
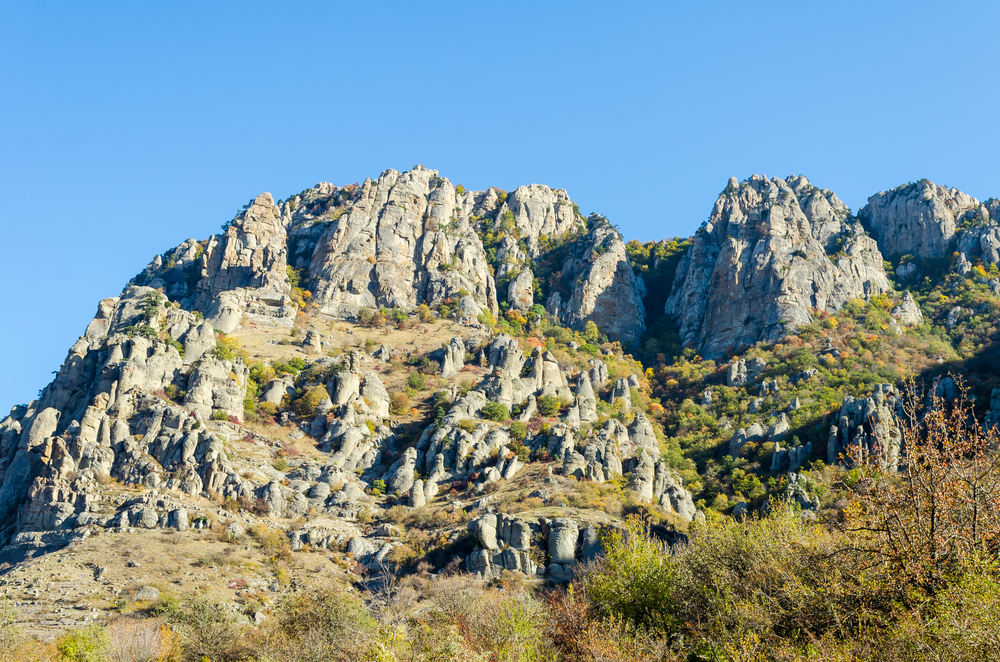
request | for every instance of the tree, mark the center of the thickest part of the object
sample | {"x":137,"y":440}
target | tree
{"x":940,"y":514}
{"x":495,"y":411}
{"x":548,"y":405}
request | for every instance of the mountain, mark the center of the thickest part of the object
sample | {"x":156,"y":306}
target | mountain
{"x":403,"y":373}
{"x":409,"y":239}
{"x":772,"y":251}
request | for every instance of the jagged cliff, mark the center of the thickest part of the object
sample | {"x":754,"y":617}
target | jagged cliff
{"x":150,"y":396}
{"x":772,"y":251}
{"x":403,"y":240}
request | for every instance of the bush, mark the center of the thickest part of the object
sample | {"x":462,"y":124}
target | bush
{"x":548,"y":405}
{"x":399,"y":404}
{"x":226,"y":347}
{"x":518,"y":430}
{"x":416,"y":381}
{"x":321,"y":624}
{"x":634,"y":579}
{"x":220,"y":415}
{"x":424,"y":313}
{"x":89,"y":645}
{"x":378,"y":487}
{"x":210,"y":631}
{"x":310,"y":400}
{"x":495,"y":411}
{"x":509,"y":624}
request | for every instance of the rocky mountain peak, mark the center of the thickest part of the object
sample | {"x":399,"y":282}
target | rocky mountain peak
{"x":772,"y":251}
{"x":918,"y":219}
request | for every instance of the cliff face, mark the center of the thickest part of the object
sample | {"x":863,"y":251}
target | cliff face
{"x":916,"y":219}
{"x":604,"y":288}
{"x":924,"y":220}
{"x":772,"y":251}
{"x":404,"y":240}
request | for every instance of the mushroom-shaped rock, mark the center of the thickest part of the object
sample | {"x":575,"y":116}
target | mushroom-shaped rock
{"x":403,"y":477}
{"x":621,"y":391}
{"x":417,"y":496}
{"x":485,"y":529}
{"x":585,"y":399}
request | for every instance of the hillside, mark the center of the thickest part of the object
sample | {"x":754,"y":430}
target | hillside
{"x":404,"y":379}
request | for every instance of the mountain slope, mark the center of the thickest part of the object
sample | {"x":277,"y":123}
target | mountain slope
{"x":403,"y":372}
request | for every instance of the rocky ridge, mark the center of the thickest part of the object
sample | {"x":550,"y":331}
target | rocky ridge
{"x":150,"y":400}
{"x":144,"y":397}
{"x":403,"y":240}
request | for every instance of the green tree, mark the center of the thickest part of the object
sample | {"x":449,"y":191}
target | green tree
{"x":495,"y":411}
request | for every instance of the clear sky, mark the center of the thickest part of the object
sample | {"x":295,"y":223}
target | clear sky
{"x":127,"y":127}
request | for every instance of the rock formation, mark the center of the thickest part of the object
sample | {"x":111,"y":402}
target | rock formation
{"x":771,"y":251}
{"x":916,"y":219}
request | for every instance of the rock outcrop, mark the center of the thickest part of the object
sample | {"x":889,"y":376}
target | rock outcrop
{"x":771,"y":251}
{"x":867,"y":429}
{"x":454,"y":358}
{"x":403,"y":240}
{"x":605,"y":290}
{"x":916,"y":219}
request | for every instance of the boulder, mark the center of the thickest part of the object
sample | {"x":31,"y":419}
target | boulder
{"x":562,"y":535}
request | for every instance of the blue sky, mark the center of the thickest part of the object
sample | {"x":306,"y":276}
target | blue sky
{"x":126,"y":128}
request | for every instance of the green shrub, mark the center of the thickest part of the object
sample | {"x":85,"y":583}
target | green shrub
{"x":328,"y":623}
{"x":226,"y":347}
{"x":89,"y":645}
{"x":220,"y":415}
{"x":518,"y":430}
{"x":176,"y":345}
{"x":378,"y":487}
{"x":416,"y":381}
{"x":548,"y":405}
{"x":210,"y":631}
{"x":495,"y":411}
{"x":634,"y":579}
{"x":306,"y":405}
{"x":175,"y":393}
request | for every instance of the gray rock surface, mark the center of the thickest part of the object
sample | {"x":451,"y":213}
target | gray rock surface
{"x":907,"y":312}
{"x":243,"y":270}
{"x":771,"y":251}
{"x":916,"y":219}
{"x":454,"y":358}
{"x":868,"y":429}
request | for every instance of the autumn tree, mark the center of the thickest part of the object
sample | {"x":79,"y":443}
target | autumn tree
{"x":924,"y":524}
